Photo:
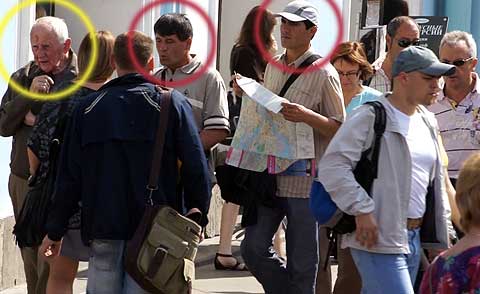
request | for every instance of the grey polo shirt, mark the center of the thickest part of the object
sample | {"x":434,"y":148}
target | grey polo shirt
{"x":207,"y":94}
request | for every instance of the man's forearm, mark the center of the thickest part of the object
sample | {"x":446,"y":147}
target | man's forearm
{"x":210,"y":138}
{"x":12,"y":115}
{"x":326,"y":126}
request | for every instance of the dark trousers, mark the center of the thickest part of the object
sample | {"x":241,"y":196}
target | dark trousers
{"x":297,"y":275}
{"x":36,"y":269}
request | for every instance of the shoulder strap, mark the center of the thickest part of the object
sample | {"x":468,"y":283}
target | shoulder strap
{"x":159,"y":141}
{"x":379,"y":128}
{"x":309,"y":61}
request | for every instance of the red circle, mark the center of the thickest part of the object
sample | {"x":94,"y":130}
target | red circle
{"x":194,"y":76}
{"x":285,"y":68}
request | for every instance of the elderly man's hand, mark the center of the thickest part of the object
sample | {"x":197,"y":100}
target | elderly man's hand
{"x":41,"y":84}
{"x":295,"y":112}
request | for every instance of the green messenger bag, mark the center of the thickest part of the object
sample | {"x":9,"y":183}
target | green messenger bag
{"x":160,"y":256}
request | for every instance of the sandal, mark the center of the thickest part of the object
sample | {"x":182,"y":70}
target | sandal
{"x":238,"y":266}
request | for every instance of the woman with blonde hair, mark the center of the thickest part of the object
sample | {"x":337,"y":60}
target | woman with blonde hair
{"x":48,"y":126}
{"x":457,"y":270}
{"x":353,"y":67}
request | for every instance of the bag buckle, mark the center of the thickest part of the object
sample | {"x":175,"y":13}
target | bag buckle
{"x":157,"y":260}
{"x":150,"y":193}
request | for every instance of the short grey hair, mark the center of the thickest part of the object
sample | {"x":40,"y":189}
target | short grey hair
{"x":57,"y":25}
{"x":395,"y":24}
{"x":452,"y":38}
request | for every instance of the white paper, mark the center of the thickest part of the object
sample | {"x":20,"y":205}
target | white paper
{"x":261,"y":95}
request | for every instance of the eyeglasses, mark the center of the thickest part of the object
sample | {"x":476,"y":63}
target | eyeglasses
{"x":404,"y":43}
{"x":348,"y":75}
{"x":458,"y":62}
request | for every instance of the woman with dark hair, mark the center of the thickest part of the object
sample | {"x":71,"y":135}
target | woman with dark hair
{"x":48,"y":126}
{"x":245,"y":59}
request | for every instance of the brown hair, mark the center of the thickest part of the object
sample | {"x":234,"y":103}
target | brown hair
{"x":142,"y":47}
{"x":104,"y":69}
{"x":267,"y":22}
{"x":353,"y":52}
{"x":468,"y":193}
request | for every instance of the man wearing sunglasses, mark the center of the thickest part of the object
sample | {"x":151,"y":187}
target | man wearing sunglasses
{"x":402,"y":32}
{"x":457,"y":107}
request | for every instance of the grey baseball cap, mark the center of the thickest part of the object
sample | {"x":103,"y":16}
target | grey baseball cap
{"x":299,"y":10}
{"x":417,"y":58}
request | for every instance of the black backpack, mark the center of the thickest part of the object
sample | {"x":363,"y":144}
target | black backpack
{"x":365,"y":173}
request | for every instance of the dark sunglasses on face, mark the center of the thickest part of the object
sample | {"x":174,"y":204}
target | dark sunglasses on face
{"x":458,"y":62}
{"x":404,"y":43}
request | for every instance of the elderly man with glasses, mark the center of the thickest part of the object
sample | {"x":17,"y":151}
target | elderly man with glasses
{"x":458,"y":104}
{"x":402,"y":31}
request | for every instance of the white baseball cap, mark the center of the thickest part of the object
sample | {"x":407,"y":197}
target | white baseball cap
{"x":299,"y":10}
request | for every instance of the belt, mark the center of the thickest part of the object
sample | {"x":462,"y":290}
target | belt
{"x":414,"y":223}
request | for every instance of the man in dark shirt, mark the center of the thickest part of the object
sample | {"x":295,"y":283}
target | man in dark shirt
{"x":106,"y":159}
{"x":54,"y":62}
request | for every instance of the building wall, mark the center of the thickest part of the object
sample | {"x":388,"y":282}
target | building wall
{"x":15,"y":53}
{"x":110,"y":15}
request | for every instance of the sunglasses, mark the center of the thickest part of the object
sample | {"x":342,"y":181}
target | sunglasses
{"x":404,"y":43}
{"x":458,"y":62}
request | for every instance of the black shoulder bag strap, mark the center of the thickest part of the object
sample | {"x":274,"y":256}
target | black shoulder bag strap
{"x":159,"y":143}
{"x":309,"y":61}
{"x":365,"y":179}
{"x":379,"y":127}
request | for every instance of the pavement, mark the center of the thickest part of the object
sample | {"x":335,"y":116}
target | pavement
{"x":207,"y":279}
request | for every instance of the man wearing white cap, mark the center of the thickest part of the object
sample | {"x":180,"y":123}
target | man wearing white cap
{"x":315,"y":99}
{"x":407,"y":208}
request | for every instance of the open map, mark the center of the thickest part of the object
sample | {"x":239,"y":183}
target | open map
{"x":264,"y":138}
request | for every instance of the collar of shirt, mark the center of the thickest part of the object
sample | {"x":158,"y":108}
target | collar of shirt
{"x":476,"y":90}
{"x":187,"y":69}
{"x":377,"y":64}
{"x":300,"y":59}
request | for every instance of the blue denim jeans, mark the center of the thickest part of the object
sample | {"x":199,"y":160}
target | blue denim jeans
{"x":106,"y":274}
{"x":297,"y":276}
{"x":389,"y":273}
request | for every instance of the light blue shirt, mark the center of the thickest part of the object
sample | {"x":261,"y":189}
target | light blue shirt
{"x":368,"y":94}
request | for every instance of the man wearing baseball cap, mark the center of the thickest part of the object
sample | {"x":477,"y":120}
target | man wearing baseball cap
{"x":408,"y":198}
{"x":315,"y":98}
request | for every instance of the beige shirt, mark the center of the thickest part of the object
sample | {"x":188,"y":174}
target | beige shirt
{"x":319,"y":91}
{"x":207,"y":94}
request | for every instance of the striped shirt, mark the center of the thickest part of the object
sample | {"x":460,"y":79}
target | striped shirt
{"x":380,"y":80}
{"x":459,"y":125}
{"x":319,"y":91}
{"x":207,"y":94}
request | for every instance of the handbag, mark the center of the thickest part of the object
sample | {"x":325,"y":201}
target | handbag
{"x":29,"y":229}
{"x":160,"y":256}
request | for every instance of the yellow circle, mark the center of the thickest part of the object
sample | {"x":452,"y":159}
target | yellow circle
{"x":90,"y":67}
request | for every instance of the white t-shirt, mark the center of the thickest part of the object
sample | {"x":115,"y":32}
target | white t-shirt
{"x":423,"y":155}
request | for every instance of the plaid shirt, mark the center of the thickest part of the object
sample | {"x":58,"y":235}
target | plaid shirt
{"x":380,"y":80}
